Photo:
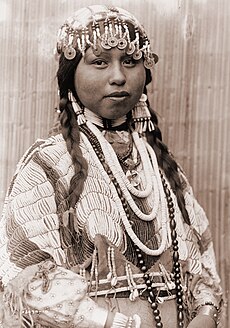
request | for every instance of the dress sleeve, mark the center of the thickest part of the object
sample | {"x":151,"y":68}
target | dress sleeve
{"x":204,"y":287}
{"x":29,"y":228}
{"x":37,"y":285}
{"x":53,"y":297}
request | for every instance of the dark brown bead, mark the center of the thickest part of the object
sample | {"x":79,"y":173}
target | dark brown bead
{"x":176,"y":265}
{"x":175,"y":242}
{"x":175,"y":248}
{"x":170,"y":205}
{"x":180,"y":316}
{"x":146,"y":276}
{"x":175,"y":256}
{"x":148,"y":282}
{"x":157,"y":318}
{"x":167,"y":192}
{"x":159,"y":325}
{"x":174,"y":234}
{"x":156,"y":312}
{"x":143,"y":268}
{"x":177,"y":269}
{"x":179,"y":294}
{"x":177,"y":275}
{"x":154,"y":306}
{"x":180,"y":307}
{"x":172,"y":224}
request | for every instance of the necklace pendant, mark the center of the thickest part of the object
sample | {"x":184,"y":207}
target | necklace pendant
{"x":133,"y":177}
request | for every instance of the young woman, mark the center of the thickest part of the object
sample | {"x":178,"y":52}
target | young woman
{"x":100,"y":226}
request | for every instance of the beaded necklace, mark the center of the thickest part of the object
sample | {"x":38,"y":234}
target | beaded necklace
{"x":139,"y":246}
{"x":90,"y":139}
{"x":120,"y":199}
{"x":152,"y":178}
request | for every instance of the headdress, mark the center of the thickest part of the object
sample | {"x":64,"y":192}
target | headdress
{"x":104,"y":27}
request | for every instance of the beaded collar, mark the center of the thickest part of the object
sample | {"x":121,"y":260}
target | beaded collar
{"x":106,"y":124}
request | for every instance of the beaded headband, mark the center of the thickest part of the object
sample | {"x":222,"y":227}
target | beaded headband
{"x":102,"y":27}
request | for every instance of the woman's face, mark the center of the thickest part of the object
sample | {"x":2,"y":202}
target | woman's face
{"x":109,"y":84}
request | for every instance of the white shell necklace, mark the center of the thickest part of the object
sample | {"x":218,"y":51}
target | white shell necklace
{"x":123,"y":216}
{"x":152,"y":176}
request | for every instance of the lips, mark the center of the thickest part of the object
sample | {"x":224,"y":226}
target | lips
{"x":118,"y":94}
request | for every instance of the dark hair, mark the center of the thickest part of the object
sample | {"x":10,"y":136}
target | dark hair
{"x":69,"y":126}
{"x":70,"y":131}
{"x":168,"y":164}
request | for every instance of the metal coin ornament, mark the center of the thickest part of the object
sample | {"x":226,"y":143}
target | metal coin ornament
{"x":70,"y":53}
{"x":137,"y":55}
{"x":131,"y":49}
{"x":97,"y":50}
{"x":105,"y":45}
{"x":122,"y":44}
{"x":149,"y":63}
{"x":112,"y":41}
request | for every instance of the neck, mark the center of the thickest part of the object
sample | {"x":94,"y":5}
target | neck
{"x":103,"y":122}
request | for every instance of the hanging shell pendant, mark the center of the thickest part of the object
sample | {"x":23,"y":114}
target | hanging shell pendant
{"x":113,"y":281}
{"x":133,"y":177}
{"x":134,"y":295}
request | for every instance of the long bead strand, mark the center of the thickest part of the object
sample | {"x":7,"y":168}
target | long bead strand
{"x":176,"y":263}
{"x":121,"y":201}
{"x":115,"y":167}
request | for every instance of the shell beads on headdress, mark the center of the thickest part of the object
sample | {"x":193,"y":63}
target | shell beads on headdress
{"x":104,"y":27}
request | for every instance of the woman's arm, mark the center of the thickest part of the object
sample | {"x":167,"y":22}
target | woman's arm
{"x":38,"y":287}
{"x":204,"y":290}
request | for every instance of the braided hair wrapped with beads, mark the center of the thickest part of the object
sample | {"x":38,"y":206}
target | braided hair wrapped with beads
{"x":100,"y":225}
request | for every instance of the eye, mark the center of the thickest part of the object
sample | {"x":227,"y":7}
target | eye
{"x":101,"y":63}
{"x":130,"y":62}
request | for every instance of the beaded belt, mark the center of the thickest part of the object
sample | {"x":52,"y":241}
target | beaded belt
{"x":122,"y":289}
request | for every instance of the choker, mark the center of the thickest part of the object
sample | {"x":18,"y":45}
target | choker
{"x":104,"y":123}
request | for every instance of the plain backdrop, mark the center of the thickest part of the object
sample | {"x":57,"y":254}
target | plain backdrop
{"x":190,"y":91}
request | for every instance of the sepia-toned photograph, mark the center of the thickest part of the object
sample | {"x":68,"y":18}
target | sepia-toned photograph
{"x":115,"y":164}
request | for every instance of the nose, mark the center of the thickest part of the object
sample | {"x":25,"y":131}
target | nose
{"x":117,"y":75}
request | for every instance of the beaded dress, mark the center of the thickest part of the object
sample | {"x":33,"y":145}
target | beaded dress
{"x":116,"y":249}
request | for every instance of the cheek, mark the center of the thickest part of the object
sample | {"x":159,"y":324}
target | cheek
{"x":139,"y":82}
{"x":81,"y":84}
{"x":84,"y":85}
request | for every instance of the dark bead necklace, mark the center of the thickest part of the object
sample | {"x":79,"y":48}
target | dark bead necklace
{"x":176,"y":264}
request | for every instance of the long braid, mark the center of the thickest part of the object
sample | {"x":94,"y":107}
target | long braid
{"x":70,"y":128}
{"x":71,"y":134}
{"x":167,"y":164}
